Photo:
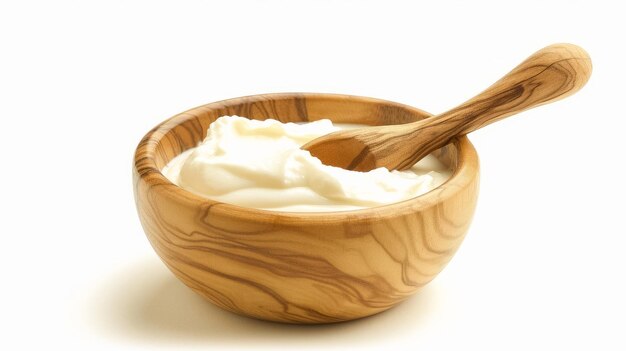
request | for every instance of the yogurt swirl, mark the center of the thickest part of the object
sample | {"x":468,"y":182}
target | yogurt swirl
{"x":260,"y":164}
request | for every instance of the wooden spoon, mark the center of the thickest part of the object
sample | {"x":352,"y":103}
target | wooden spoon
{"x":551,"y":73}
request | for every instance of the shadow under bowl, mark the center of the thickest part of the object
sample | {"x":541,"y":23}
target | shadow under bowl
{"x":301,"y":267}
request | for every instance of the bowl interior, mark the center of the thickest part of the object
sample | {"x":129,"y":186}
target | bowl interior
{"x":187,"y":129}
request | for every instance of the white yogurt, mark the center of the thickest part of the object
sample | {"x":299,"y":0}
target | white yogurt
{"x":260,"y":164}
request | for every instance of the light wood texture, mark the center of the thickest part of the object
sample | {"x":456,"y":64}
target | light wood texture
{"x":548,"y":75}
{"x":301,"y":267}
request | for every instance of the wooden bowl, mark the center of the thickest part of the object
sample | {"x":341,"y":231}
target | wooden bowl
{"x":301,"y":267}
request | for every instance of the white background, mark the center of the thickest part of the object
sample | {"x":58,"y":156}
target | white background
{"x":82,"y":81}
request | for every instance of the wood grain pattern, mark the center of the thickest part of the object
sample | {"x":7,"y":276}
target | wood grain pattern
{"x":301,"y":267}
{"x":548,"y":75}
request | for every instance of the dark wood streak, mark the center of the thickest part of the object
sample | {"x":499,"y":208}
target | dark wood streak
{"x":301,"y":109}
{"x":281,"y":264}
{"x":257,"y":286}
{"x":198,"y":286}
{"x":403,"y":264}
{"x":295,"y":267}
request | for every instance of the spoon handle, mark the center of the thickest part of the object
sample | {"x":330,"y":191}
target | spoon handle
{"x":550,"y":74}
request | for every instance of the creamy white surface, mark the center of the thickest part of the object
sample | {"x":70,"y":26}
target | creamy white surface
{"x":260,"y":164}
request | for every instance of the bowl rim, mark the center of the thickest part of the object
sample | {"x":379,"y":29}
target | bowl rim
{"x":145,"y":170}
